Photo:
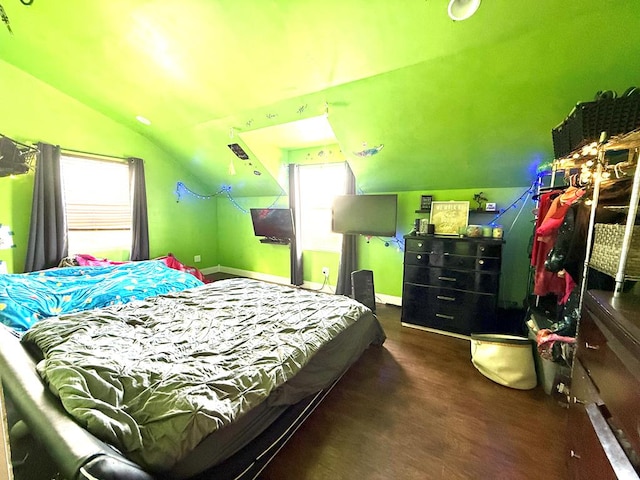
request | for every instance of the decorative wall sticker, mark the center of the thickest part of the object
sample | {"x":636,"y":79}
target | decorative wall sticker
{"x":369,"y":152}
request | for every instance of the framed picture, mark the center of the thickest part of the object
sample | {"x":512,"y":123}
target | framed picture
{"x":425,"y":202}
{"x":449,"y":217}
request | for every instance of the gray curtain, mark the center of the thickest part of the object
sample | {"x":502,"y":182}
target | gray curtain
{"x":349,"y":254}
{"x":295,"y":248}
{"x":140,"y":219}
{"x":47,"y":243}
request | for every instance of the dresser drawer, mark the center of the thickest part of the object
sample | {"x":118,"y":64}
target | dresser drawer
{"x":458,"y":279}
{"x":462,"y":262}
{"x":603,"y":356}
{"x":447,"y":309}
{"x":587,"y":458}
{"x":455,"y":246}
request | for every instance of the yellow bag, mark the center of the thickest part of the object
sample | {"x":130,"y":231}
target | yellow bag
{"x":505,"y":359}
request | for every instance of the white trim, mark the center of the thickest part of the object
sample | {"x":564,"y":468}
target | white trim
{"x":433,"y":330}
{"x":210,"y":270}
{"x":389,"y":299}
{"x":256,"y":275}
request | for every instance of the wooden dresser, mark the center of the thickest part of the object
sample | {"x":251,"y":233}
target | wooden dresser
{"x":604,"y":407}
{"x":450,"y":284}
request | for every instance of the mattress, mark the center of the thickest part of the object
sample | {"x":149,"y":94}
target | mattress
{"x":182,"y":382}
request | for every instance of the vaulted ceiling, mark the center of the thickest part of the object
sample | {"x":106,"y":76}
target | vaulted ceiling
{"x":455,"y":104}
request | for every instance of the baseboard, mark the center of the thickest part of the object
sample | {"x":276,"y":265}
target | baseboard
{"x":255,"y":275}
{"x":433,"y":330}
{"x":210,"y":270}
{"x":389,"y":299}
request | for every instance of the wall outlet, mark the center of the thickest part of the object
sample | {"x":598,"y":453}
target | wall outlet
{"x":196,"y":258}
{"x":325,"y":271}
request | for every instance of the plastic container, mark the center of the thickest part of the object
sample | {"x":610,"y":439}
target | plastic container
{"x":546,"y":370}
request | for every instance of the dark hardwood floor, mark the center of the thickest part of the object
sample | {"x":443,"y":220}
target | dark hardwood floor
{"x":416,"y":408}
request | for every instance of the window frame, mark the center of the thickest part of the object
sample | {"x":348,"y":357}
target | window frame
{"x":112,"y":230}
{"x":320,"y":213}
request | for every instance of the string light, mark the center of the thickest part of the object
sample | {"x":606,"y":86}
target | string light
{"x":389,"y":241}
{"x":182,"y":189}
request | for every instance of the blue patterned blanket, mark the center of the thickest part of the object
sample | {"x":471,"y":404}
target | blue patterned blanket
{"x":26,"y":298}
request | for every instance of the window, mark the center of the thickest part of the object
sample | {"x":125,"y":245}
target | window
{"x":318,"y":185}
{"x":98,"y":204}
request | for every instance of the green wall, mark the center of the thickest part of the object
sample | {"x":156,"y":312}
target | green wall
{"x":217,"y":229}
{"x":33,"y":111}
{"x":240,"y":249}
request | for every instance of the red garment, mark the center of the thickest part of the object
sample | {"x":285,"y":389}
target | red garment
{"x":174,"y":263}
{"x":545,"y":282}
{"x":543,"y":208}
{"x":546,"y":338}
{"x":84,"y":259}
{"x":557,"y":211}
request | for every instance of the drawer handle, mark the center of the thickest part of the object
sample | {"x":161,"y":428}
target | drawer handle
{"x":480,"y":262}
{"x":448,"y":317}
{"x":447,"y":279}
{"x":448,"y":299}
{"x":591,"y":347}
{"x":419,"y":257}
{"x":482,"y":249}
{"x":420,"y":244}
{"x":574,"y":454}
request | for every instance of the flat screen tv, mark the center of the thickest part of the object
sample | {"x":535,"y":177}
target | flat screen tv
{"x":374,"y":215}
{"x":272,"y":222}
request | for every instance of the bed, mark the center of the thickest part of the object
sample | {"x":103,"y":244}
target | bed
{"x":205,"y":382}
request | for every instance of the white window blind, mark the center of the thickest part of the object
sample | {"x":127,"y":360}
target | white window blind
{"x":98,"y":204}
{"x":319,"y":184}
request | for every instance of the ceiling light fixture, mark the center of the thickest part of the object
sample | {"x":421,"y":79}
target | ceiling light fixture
{"x":238,"y":151}
{"x":143,"y":120}
{"x":462,"y":9}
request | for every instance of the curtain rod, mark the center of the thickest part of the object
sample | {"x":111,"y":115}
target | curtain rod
{"x":91,"y":154}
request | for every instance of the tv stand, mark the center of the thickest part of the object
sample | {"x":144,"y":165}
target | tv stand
{"x":276,"y":241}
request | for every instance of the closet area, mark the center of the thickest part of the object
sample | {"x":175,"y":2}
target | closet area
{"x":585,"y":300}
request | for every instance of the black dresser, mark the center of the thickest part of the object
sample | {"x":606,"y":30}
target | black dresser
{"x":451,"y":284}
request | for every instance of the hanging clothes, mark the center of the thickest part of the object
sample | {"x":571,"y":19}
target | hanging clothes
{"x":555,"y":281}
{"x":544,"y":203}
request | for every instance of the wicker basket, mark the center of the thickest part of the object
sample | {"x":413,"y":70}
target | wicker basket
{"x":588,"y":119}
{"x":607,"y":246}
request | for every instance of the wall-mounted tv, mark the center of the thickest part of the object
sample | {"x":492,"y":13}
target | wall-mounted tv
{"x":374,"y":215}
{"x":272,"y":222}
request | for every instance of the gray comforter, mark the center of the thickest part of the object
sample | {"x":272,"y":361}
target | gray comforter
{"x":156,"y":376}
